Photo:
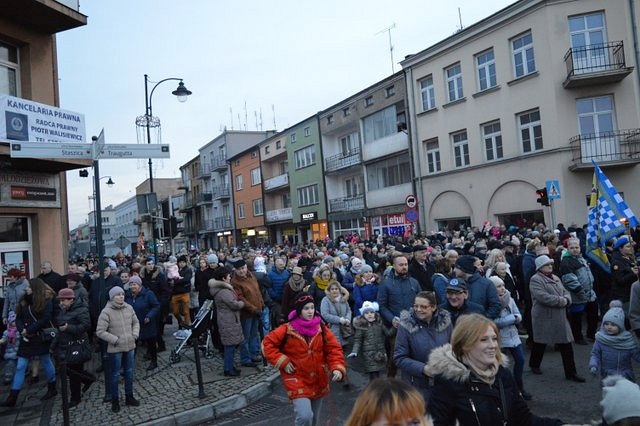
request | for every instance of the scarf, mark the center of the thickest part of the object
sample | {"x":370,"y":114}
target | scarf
{"x":550,"y":274}
{"x":621,"y":341}
{"x":296,"y":287}
{"x":322,"y":284}
{"x":306,"y":328}
{"x":487,"y":375}
{"x":505,"y":298}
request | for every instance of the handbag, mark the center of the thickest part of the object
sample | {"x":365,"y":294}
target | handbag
{"x":78,"y":351}
{"x":48,"y":334}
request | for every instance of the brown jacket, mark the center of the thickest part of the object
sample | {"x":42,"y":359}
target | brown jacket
{"x":249,"y":292}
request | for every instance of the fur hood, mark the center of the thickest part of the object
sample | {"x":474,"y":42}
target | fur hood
{"x":343,"y":292}
{"x":440,"y":320}
{"x":215,"y":286}
{"x":360,"y":323}
{"x":154,"y":274}
{"x":442,"y":362}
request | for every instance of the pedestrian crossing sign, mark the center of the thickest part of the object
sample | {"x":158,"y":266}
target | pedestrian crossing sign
{"x":553,"y":189}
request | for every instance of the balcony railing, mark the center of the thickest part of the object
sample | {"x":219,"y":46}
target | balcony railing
{"x":346,"y":204}
{"x":617,"y":147}
{"x":206,"y":225}
{"x":276,"y":182}
{"x":601,"y":63}
{"x":279,"y":214}
{"x":204,"y":198}
{"x":204,"y":171}
{"x":222,"y":222}
{"x":190,"y":228}
{"x":187,"y":203}
{"x":219,"y":162}
{"x":221,"y":191}
{"x":342,"y":160}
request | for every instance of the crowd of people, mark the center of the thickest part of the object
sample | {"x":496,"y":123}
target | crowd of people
{"x":439,"y":308}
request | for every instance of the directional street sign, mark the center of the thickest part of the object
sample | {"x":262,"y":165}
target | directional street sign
{"x":134,"y":150}
{"x":52,"y":150}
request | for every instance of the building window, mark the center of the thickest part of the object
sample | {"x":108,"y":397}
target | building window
{"x":433,"y":156}
{"x":460,"y":149}
{"x":530,"y":131}
{"x":278,"y":144}
{"x":307,"y":131}
{"x":257,"y":207}
{"x":523,"y":60}
{"x":286,"y":200}
{"x":292,"y":137}
{"x":330,"y":119}
{"x":255,"y":176}
{"x":588,"y":35}
{"x":368,"y":101}
{"x":454,"y":82}
{"x":348,"y":144}
{"x":346,"y":112}
{"x":428,"y":94}
{"x":380,"y":124}
{"x":492,"y":138}
{"x":266,"y":149}
{"x":486,"y":66}
{"x":390,"y":172}
{"x":254,"y":154}
{"x":390,"y":91}
{"x":241,"y":214}
{"x":305,"y":157}
{"x":308,"y":195}
{"x":353,"y":187}
{"x":239,"y":182}
{"x":8,"y":69}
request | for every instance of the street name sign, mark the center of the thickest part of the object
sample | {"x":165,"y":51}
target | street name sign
{"x":52,"y":150}
{"x":134,"y":150}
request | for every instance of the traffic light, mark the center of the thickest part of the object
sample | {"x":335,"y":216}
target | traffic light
{"x":173,"y":226}
{"x":542,"y":196}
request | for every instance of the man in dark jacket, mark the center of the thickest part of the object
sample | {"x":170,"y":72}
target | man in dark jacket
{"x":457,"y":303}
{"x":156,"y":281}
{"x":52,"y":278}
{"x":421,"y":269}
{"x":481,"y":290}
{"x":180,"y":294}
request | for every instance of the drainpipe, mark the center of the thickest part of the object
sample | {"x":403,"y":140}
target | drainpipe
{"x":414,"y":146}
{"x":636,"y":48}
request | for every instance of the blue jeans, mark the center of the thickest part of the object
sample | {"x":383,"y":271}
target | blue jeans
{"x":229,"y":354}
{"x":249,"y":348}
{"x":126,"y":360}
{"x":266,"y":321}
{"x":518,"y":363}
{"x":45,"y":361}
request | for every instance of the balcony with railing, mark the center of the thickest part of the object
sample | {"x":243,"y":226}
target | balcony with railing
{"x":278,"y":215}
{"x":221,"y":192}
{"x":204,"y":198}
{"x":204,"y":171}
{"x":346,"y":204}
{"x":343,"y":160}
{"x":206,"y":225}
{"x":615,"y":148}
{"x":218,"y":163}
{"x":187,"y":203}
{"x":222,"y":222}
{"x":190,"y":229}
{"x":276,"y":182}
{"x":594,"y":64}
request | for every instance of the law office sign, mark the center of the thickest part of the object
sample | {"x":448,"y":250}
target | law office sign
{"x":25,"y":120}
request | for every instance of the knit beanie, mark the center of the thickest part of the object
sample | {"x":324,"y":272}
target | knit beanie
{"x":115,"y":291}
{"x":135,"y":279}
{"x":212,"y":258}
{"x":355,"y":261}
{"x":369,"y":307}
{"x":620,"y":399}
{"x":301,"y":301}
{"x":615,"y":315}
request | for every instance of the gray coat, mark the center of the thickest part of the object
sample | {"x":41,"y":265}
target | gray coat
{"x":549,"y":313}
{"x":577,"y":278}
{"x":227,"y":312}
{"x":332,"y":312}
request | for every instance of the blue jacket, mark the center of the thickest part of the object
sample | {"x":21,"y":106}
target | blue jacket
{"x":577,"y":278}
{"x":278,"y":281}
{"x":440,"y":283}
{"x":613,"y":361}
{"x":367,"y":292}
{"x":483,"y":292}
{"x":396,"y":294}
{"x":98,"y":297}
{"x":145,"y":305}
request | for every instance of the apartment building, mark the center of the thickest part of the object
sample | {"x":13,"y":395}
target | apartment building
{"x":532,"y":93}
{"x":274,"y":164}
{"x":126,"y":214}
{"x":367,"y":165}
{"x":247,"y":197}
{"x":191,"y":210}
{"x":33,"y":192}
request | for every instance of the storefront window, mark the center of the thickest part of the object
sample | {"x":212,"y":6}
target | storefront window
{"x":13,"y":229}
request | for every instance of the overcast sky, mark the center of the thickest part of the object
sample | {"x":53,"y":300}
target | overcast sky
{"x":292,"y":57}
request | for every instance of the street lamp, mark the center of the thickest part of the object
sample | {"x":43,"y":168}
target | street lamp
{"x":148,"y":121}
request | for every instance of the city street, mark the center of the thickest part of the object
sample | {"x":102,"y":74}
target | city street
{"x":553,"y":396}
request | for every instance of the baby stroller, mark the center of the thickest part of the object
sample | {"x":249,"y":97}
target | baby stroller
{"x":201,"y":325}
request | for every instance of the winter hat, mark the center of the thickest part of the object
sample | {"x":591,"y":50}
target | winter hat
{"x":355,"y":261}
{"x":11,"y":317}
{"x":543,"y":260}
{"x":615,"y":315}
{"x":620,"y":399}
{"x":239,"y":263}
{"x":183,"y":258}
{"x":343,"y":256}
{"x":212,"y":258}
{"x":457,"y":285}
{"x":366,"y":268}
{"x":327,"y":260}
{"x":296,"y":270}
{"x":621,"y":242}
{"x":115,"y":291}
{"x":466,"y":264}
{"x":73,"y":277}
{"x":301,"y":301}
{"x":369,"y":307}
{"x":66,"y":293}
{"x":112,"y":264}
{"x":135,"y":279}
{"x":258,"y":264}
{"x":173,"y":259}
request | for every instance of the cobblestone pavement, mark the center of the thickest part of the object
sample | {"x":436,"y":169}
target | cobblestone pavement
{"x":168,"y":395}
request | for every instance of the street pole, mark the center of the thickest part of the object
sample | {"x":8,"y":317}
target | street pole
{"x":149,"y":114}
{"x":98,"y":215}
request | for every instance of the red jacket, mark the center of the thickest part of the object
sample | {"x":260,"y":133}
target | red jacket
{"x":313,"y":360}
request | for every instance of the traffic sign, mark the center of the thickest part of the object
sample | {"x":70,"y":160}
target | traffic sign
{"x":133,"y":150}
{"x":122,"y":242}
{"x":52,"y":150}
{"x":553,"y":189}
{"x":411,"y":215}
{"x":411,"y":201}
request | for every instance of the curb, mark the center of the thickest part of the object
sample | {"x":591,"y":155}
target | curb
{"x":220,"y":408}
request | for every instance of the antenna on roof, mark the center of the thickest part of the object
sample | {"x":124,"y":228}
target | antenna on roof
{"x":273,"y":110}
{"x":460,"y":20}
{"x":388,"y":30}
{"x":231,"y":116}
{"x":260,"y":118}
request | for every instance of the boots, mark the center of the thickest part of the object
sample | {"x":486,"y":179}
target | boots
{"x":51,"y":391}
{"x":11,"y":399}
{"x":115,"y":405}
{"x":131,"y":401}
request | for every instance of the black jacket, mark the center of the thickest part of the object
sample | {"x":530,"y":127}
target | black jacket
{"x":78,"y":323}
{"x":422,"y":274}
{"x":623,"y":276}
{"x":183,"y":285}
{"x":156,"y":281}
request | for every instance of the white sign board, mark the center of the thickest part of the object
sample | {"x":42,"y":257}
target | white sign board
{"x":133,"y":150}
{"x":25,"y":120}
{"x":52,"y":150}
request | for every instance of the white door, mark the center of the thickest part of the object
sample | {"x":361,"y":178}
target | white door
{"x":596,"y":122}
{"x":588,"y":37}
